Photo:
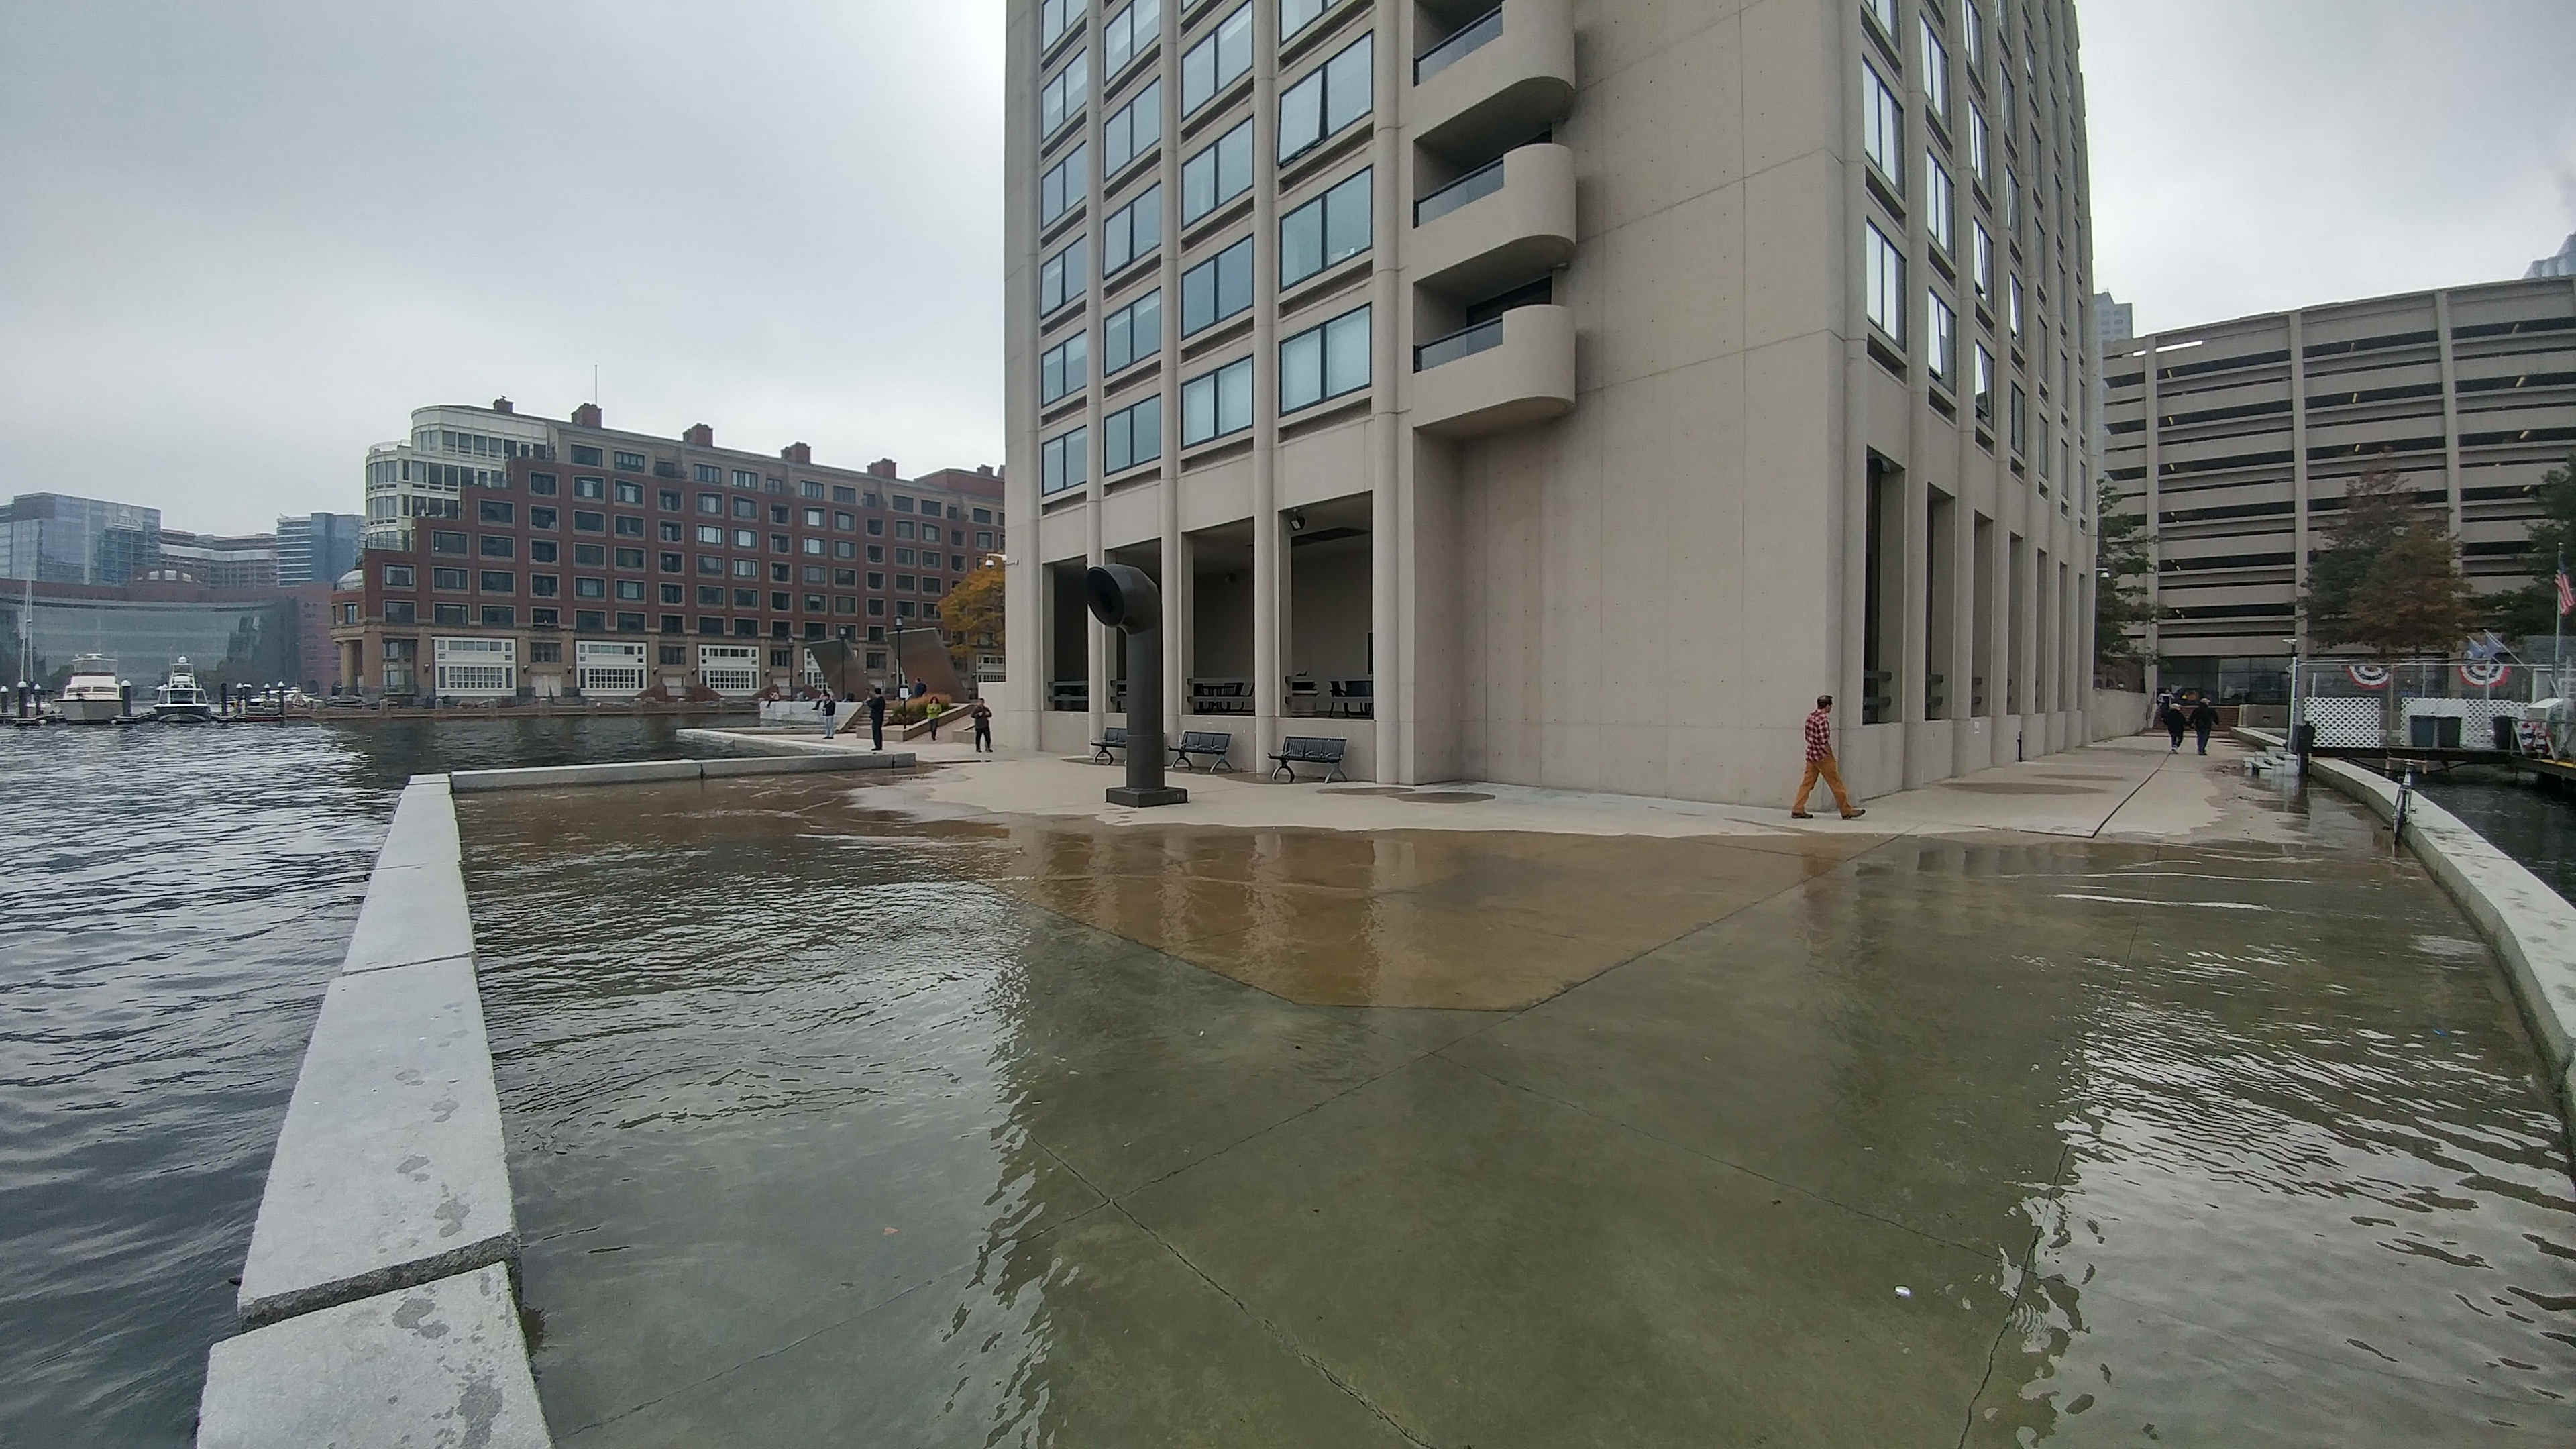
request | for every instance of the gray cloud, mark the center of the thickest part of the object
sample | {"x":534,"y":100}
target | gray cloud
{"x":2255,"y":155}
{"x":247,"y":239}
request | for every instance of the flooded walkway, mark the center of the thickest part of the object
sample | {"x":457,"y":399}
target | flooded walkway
{"x":834,"y":1127}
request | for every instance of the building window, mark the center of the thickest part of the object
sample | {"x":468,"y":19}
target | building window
{"x":447,"y":578}
{"x":1936,"y":202}
{"x":398,"y":576}
{"x":1132,"y":435}
{"x":1132,"y":333}
{"x":1882,"y":127}
{"x":631,"y":590}
{"x":629,"y":526}
{"x":589,"y":588}
{"x":1063,"y":277}
{"x":631,"y":494}
{"x":1220,"y":172}
{"x":2012,"y":310}
{"x":2012,"y":205}
{"x":1132,"y":231}
{"x":1324,"y":362}
{"x":1982,"y":261}
{"x":1134,"y":127}
{"x":814,"y":546}
{"x":1055,"y":17}
{"x":701,"y":472}
{"x":1217,"y":403}
{"x":1331,"y":96}
{"x":1216,"y":289}
{"x":1065,"y":93}
{"x":2020,"y":421}
{"x":493,"y":510}
{"x":750,"y":508}
{"x":542,"y":483}
{"x":1940,"y":337}
{"x":590,"y":488}
{"x":710,"y":564}
{"x":1064,"y":368}
{"x":1332,"y":228}
{"x":589,"y":522}
{"x":496,"y":581}
{"x":1128,"y":33}
{"x":401,"y":611}
{"x":440,"y":542}
{"x":1883,"y":12}
{"x":711,"y":596}
{"x":1064,"y":186}
{"x":1936,"y":72}
{"x":545,"y":586}
{"x":542,"y":518}
{"x":543,"y":551}
{"x":585,"y":457}
{"x":1064,"y":462}
{"x":1979,"y":167}
{"x":1972,"y":26}
{"x":1217,"y":61}
{"x":1886,"y":284}
{"x":499,"y":616}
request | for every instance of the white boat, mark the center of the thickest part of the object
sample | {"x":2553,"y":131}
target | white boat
{"x":93,"y":696}
{"x":179,"y":700}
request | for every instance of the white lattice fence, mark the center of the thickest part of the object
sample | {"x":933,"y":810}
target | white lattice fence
{"x":2344,"y":724}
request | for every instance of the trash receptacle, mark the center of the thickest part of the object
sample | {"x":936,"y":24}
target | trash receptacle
{"x":2504,"y":733}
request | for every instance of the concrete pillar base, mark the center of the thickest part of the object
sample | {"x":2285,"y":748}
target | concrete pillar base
{"x":1165,"y":795}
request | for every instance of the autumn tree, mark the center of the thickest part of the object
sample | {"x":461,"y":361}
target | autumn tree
{"x":2389,"y":581}
{"x":973,"y":614}
{"x":2121,"y":602}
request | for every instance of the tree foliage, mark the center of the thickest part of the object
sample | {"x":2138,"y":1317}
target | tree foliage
{"x":2533,"y":608}
{"x":973,"y":614}
{"x":2120,"y":603}
{"x":2388,"y":579}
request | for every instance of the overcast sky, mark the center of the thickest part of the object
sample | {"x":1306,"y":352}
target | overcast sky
{"x":242,"y":240}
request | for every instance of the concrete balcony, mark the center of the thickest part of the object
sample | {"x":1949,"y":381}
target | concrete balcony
{"x":1510,"y":372}
{"x":1496,"y":80}
{"x":1494,"y":228}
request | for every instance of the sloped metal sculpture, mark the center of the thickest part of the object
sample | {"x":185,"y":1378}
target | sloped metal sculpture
{"x":1126,"y":600}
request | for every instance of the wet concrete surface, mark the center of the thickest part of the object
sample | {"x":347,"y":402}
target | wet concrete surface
{"x":834,"y":1127}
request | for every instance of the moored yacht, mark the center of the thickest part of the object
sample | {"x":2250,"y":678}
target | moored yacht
{"x":179,"y":700}
{"x":93,"y":696}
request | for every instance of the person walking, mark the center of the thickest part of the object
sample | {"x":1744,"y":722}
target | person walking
{"x":983,"y":718}
{"x":1821,"y":764}
{"x":2175,"y":723}
{"x":831,"y":707}
{"x":2204,"y":718}
{"x":876,"y":718}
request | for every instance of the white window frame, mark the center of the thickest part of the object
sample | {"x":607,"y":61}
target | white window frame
{"x":1940,"y":337}
{"x":1940,"y":204}
{"x":1936,"y":70}
{"x":1884,"y":287}
{"x":731,"y":669}
{"x":1882,"y":127}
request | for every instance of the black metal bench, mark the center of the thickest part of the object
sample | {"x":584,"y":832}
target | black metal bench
{"x":1215,"y":744}
{"x":1306,"y":750}
{"x":1112,"y":738}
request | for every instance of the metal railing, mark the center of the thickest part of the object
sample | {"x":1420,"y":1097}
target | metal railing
{"x":1465,"y":41}
{"x":1476,"y":185}
{"x":1465,"y":342}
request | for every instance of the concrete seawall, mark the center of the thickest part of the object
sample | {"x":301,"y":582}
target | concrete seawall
{"x":775,"y":757}
{"x":2531,"y":927}
{"x":377,"y":1293}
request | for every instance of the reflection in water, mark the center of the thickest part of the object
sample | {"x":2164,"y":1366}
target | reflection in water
{"x":833,"y":1128}
{"x":2533,"y":825}
{"x":172,"y":902}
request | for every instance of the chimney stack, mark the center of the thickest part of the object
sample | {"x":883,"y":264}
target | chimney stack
{"x":586,"y":416}
{"x":882,"y":468}
{"x":699,"y":436}
{"x":501,"y":405}
{"x":984,"y":470}
{"x":797,"y":453}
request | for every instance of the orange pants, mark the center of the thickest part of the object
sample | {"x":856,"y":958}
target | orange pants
{"x":1829,"y":772}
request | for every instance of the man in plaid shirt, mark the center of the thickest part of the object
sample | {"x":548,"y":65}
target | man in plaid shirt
{"x":1820,"y":763}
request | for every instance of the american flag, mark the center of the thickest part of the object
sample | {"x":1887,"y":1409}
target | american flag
{"x":2566,"y":593}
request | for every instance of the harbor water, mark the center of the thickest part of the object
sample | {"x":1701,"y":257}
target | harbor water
{"x":173,"y":899}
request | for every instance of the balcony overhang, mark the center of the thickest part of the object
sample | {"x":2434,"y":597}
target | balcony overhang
{"x":1518,"y":231}
{"x":1521,"y":372}
{"x":1508,"y":88}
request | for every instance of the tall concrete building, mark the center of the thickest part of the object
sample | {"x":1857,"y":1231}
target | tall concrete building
{"x":2561,"y":265}
{"x":2236,"y":441}
{"x":2113,"y":319}
{"x":1564,"y":393}
{"x":316,"y":548}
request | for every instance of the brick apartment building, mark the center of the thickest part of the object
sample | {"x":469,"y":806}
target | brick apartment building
{"x":514,"y":556}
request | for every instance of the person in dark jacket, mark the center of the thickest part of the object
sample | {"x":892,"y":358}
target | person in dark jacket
{"x":831,"y":706}
{"x":2175,"y":724}
{"x":876,"y":719}
{"x":983,"y":717}
{"x":2204,"y":718}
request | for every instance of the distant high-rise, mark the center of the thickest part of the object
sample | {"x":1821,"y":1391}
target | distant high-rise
{"x":54,"y":538}
{"x":2113,"y":319}
{"x":244,"y":561}
{"x":317,"y":548}
{"x":2561,"y":265}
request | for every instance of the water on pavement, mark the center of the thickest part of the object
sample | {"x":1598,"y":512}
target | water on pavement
{"x":832,"y":1128}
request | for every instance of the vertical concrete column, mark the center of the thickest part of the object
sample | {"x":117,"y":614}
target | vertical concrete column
{"x":2450,"y":410}
{"x":2299,"y":470}
{"x":1911,"y":660}
{"x":1386,"y":213}
{"x":1103,"y":640}
{"x":2155,"y":515}
{"x":1270,"y":565}
{"x":1180,"y":589}
{"x":1028,"y":649}
{"x":1847,"y":512}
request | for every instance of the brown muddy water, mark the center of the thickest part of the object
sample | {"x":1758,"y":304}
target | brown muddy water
{"x":830,"y":1127}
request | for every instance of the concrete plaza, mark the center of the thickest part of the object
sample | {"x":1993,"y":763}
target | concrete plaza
{"x":962,"y":1110}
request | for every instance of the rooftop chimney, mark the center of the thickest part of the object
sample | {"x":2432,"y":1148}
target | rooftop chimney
{"x":882,"y":468}
{"x":586,"y":416}
{"x":984,"y":470}
{"x":699,"y":436}
{"x":797,"y":453}
{"x":501,"y":405}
